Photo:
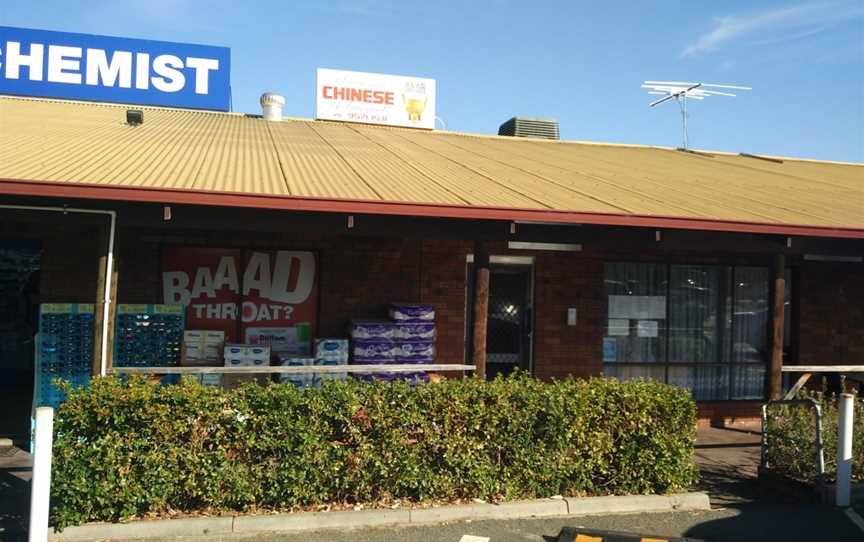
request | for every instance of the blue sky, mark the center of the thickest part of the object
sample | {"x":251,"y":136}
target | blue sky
{"x":579,"y":62}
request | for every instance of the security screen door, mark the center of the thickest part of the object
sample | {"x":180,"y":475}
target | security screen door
{"x":510,"y":318}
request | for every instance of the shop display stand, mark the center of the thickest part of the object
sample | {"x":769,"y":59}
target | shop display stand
{"x":64,"y":350}
{"x":148,"y":335}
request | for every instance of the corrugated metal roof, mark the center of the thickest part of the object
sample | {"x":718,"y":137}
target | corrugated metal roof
{"x":179,"y":150}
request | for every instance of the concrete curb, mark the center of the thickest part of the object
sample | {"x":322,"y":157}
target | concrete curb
{"x":313,"y":521}
{"x":157,"y":528}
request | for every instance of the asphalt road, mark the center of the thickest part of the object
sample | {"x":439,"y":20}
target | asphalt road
{"x":749,"y":522}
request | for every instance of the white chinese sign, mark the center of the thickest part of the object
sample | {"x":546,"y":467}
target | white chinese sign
{"x":374,"y":98}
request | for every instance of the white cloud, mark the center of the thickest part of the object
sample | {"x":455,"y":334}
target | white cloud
{"x":779,"y":20}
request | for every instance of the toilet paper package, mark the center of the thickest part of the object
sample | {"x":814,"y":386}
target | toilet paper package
{"x":412,"y":378}
{"x":321,"y":377}
{"x":372,"y":377}
{"x":300,"y":381}
{"x":411,"y":312}
{"x":372,"y":330}
{"x":414,"y":352}
{"x":245,"y":355}
{"x":368,"y":351}
{"x":414,"y":331}
{"x":336,"y":350}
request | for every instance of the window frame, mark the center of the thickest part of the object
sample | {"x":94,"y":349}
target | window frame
{"x":730,"y":364}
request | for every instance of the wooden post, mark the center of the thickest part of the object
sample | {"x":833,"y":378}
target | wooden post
{"x":481,"y":307}
{"x":102,"y":247}
{"x":102,"y":243}
{"x":112,"y":309}
{"x":775,"y":386}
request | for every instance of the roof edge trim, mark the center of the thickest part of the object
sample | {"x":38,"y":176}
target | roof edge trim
{"x":20,"y":187}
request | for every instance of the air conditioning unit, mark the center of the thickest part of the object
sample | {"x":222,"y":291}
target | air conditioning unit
{"x":530,"y":127}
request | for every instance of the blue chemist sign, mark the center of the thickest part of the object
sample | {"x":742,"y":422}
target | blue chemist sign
{"x":106,"y":69}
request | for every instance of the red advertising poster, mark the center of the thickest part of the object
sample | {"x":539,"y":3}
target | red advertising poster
{"x":267,"y":296}
{"x":207,"y":282}
{"x":280,"y":297}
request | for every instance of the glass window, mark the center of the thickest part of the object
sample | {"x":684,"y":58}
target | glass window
{"x":751,"y":316}
{"x":696,"y":322}
{"x":702,"y":327}
{"x":709,"y":383}
{"x":636,"y":323}
{"x":748,"y":382}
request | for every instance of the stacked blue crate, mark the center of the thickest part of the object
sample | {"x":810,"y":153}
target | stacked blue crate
{"x":149,"y":336}
{"x":64,"y":350}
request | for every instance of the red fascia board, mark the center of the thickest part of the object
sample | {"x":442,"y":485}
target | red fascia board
{"x":18,"y":187}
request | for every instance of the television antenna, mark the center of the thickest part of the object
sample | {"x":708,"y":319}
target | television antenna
{"x":680,"y":91}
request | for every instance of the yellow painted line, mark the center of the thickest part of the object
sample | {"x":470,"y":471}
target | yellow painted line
{"x":586,"y":538}
{"x":654,"y":540}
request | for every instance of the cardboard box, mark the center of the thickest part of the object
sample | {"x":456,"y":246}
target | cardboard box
{"x":202,"y":348}
{"x":281,"y":340}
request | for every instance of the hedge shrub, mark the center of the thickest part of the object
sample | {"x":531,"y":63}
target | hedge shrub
{"x":133,"y":448}
{"x":792,"y":443}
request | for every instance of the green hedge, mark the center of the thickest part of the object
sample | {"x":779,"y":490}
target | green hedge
{"x":792,"y":442}
{"x":127,"y":449}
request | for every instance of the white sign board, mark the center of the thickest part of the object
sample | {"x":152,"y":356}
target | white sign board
{"x":619,"y":327}
{"x":374,"y":98}
{"x":637,"y":307}
{"x":647,"y":328}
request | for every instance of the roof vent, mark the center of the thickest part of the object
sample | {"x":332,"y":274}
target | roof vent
{"x":272,"y":104}
{"x":530,"y":127}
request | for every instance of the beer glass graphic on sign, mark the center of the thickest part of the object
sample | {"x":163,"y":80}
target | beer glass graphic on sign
{"x":414,"y":97}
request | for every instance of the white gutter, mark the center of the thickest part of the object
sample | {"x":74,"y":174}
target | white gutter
{"x":109,"y":266}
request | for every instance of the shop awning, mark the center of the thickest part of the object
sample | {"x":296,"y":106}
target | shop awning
{"x":86,"y":150}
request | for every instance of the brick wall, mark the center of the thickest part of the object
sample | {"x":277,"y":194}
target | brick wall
{"x":360,"y":276}
{"x":563,"y":280}
{"x":832,"y":314}
{"x":69,"y":265}
{"x":443,"y":285}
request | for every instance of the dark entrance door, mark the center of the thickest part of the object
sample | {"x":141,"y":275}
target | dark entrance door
{"x":19,"y":284}
{"x":510,"y":320}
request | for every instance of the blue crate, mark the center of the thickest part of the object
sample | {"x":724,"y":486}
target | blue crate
{"x":64,"y":349}
{"x":148,"y":335}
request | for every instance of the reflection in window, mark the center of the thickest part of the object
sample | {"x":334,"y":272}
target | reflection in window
{"x":696,"y":323}
{"x":714,"y":339}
